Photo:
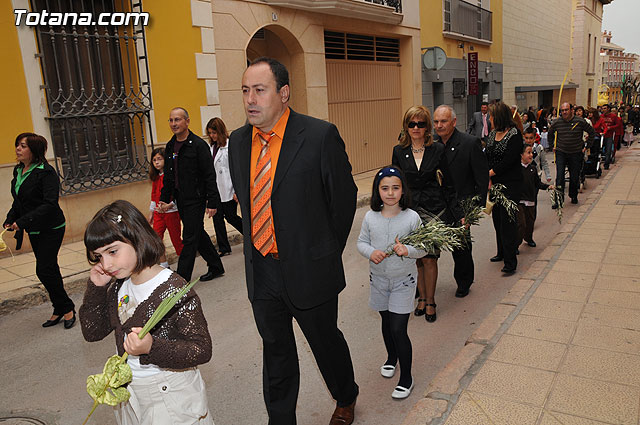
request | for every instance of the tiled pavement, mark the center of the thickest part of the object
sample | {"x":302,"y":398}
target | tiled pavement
{"x":563,"y":347}
{"x":20,"y":288}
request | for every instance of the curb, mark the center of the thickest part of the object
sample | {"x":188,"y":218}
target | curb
{"x":35,"y":294}
{"x":444,"y":390}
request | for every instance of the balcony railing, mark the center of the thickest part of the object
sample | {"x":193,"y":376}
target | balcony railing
{"x":386,"y":11}
{"x":396,"y":4}
{"x":466,"y":19}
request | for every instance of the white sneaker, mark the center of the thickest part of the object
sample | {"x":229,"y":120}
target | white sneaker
{"x":402,"y":392}
{"x":388,"y":370}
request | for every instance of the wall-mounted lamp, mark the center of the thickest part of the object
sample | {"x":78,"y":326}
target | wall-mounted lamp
{"x":487,"y":69}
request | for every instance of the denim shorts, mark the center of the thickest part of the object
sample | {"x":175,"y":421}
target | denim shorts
{"x":396,"y":295}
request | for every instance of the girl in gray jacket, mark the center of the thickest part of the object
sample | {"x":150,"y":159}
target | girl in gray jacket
{"x":392,"y":277}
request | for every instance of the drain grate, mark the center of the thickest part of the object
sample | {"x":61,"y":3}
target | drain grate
{"x":21,"y":420}
{"x":625,"y":202}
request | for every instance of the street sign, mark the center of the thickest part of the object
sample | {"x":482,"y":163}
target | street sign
{"x":474,"y":83}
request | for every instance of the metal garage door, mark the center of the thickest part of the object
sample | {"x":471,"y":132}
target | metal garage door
{"x":365,"y":101}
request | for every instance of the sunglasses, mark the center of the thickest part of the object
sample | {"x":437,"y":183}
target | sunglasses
{"x":419,"y":124}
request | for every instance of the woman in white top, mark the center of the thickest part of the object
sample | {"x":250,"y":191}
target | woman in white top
{"x":218,"y":139}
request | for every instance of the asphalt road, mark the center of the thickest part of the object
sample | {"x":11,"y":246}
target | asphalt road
{"x":43,"y":371}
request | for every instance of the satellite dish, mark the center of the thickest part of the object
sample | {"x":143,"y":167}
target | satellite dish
{"x":434,"y":58}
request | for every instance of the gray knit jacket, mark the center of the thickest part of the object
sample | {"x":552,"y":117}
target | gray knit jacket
{"x":379,"y":232}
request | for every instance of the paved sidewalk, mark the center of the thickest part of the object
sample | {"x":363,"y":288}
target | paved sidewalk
{"x":20,"y":287}
{"x":563,"y":347}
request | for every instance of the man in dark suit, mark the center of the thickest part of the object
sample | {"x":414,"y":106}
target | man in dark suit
{"x":293,"y":181}
{"x":480,"y":126}
{"x":189,"y":178}
{"x":469,"y":172}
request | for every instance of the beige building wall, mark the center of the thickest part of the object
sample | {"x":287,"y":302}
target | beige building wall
{"x":297,"y":39}
{"x":587,"y":38}
{"x":537,"y":44}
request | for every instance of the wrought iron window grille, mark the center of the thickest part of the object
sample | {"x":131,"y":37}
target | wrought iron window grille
{"x":96,"y":81}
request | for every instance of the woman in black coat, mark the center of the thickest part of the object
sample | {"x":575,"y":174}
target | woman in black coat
{"x":504,"y":145}
{"x":422,"y":162}
{"x":35,"y":188}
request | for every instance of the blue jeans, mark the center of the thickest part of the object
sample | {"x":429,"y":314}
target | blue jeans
{"x":608,"y":150}
{"x":574,"y":162}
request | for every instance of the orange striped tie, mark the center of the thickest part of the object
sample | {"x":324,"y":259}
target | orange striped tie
{"x":261,"y":217}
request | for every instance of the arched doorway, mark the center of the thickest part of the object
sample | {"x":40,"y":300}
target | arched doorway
{"x":277,"y":42}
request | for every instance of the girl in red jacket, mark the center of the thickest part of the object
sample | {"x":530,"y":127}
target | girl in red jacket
{"x":162,"y":221}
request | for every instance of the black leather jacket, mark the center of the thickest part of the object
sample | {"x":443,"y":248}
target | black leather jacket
{"x":196,"y":175}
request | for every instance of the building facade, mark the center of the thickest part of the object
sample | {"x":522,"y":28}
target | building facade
{"x":537,"y":52}
{"x":585,"y":54}
{"x":617,"y":67}
{"x":462,"y":29}
{"x":101,"y":95}
{"x":356,"y":64}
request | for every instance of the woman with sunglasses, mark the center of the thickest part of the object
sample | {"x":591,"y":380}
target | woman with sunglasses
{"x":423,"y":162}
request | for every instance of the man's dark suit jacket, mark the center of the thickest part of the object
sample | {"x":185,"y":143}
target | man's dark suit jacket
{"x":468,"y":169}
{"x":475,"y":124}
{"x":313,"y":201}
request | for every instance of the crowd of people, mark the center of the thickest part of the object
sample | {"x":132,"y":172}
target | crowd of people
{"x":295,"y":224}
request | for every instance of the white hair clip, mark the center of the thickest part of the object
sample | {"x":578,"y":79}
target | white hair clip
{"x":118,"y":218}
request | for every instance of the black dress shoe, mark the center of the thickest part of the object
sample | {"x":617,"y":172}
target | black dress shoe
{"x":495,"y":259}
{"x":461,"y":293}
{"x":68,"y":324}
{"x":53,"y":322}
{"x":431,"y":317}
{"x":508,"y":271}
{"x":223,"y":253}
{"x":210,"y":275}
{"x":574,"y":200}
{"x":531,"y":243}
{"x":420,"y":311}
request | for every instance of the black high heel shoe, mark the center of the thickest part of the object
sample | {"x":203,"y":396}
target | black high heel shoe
{"x":68,"y":324}
{"x":53,"y":322}
{"x":420,"y":311}
{"x":430,"y":317}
